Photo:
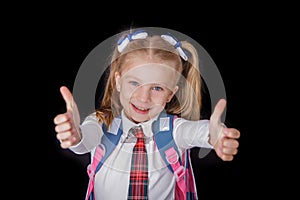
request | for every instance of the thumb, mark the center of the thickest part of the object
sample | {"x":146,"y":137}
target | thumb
{"x":219,"y":109}
{"x":215,"y":122}
{"x":68,"y":97}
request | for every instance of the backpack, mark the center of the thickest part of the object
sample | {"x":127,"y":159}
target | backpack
{"x":185,"y":188}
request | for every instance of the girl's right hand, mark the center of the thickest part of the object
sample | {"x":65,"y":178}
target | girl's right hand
{"x":68,"y":123}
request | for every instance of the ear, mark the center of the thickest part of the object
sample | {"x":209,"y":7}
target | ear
{"x":118,"y":81}
{"x":172,"y":94}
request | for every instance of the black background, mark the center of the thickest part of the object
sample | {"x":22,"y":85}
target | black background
{"x":54,"y":41}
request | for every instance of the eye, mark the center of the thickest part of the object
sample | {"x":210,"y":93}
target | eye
{"x":157,"y":88}
{"x":134,"y":83}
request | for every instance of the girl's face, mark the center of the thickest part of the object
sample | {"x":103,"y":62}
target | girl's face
{"x":145,"y":88}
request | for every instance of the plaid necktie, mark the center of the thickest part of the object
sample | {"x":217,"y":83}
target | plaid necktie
{"x":138,"y":184}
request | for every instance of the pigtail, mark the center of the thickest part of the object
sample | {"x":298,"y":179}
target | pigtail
{"x":110,"y":105}
{"x":191,"y":87}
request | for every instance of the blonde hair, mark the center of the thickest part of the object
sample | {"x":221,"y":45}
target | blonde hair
{"x":187,"y":101}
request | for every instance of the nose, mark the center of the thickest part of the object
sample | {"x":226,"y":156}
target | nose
{"x":143,"y":93}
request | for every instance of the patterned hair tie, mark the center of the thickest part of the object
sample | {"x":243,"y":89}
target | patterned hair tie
{"x":177,"y":45}
{"x":123,"y":42}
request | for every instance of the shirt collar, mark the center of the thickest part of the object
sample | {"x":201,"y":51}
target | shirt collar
{"x":128,"y":124}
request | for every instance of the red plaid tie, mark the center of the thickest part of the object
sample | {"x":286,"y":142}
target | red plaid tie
{"x":138,"y":185}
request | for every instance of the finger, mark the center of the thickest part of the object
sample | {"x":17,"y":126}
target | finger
{"x":227,"y":157}
{"x":219,"y":109}
{"x":61,"y":118}
{"x":230,"y":143}
{"x":63,"y":127}
{"x":65,"y":144}
{"x":229,"y":151}
{"x":64,"y":135}
{"x":68,"y":97}
{"x":232,"y":133}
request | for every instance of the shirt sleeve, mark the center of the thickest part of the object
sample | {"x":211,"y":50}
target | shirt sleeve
{"x":189,"y":134}
{"x":91,"y":135}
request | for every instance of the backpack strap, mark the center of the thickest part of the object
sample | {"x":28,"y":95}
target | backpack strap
{"x":162,"y":129}
{"x":163,"y":134}
{"x":109,"y":141}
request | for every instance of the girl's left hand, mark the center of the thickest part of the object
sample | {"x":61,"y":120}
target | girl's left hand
{"x":223,"y":139}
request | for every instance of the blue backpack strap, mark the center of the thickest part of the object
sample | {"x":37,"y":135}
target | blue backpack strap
{"x":162,"y":129}
{"x":109,"y":141}
{"x":163,"y":134}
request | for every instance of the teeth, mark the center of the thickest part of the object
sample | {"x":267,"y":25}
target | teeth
{"x":140,"y":108}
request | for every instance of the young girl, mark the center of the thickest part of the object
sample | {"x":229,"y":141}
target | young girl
{"x":149,"y":75}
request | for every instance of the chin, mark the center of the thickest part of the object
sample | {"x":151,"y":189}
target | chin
{"x":140,"y":119}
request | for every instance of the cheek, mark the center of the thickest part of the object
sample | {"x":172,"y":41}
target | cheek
{"x":161,"y":99}
{"x":124,"y":100}
{"x":126,"y":91}
{"x":124,"y":96}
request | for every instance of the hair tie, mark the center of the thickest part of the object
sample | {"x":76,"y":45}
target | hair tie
{"x":123,"y":42}
{"x":176,"y":44}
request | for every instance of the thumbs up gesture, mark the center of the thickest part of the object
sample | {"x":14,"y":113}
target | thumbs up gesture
{"x":223,"y":139}
{"x":67,"y":124}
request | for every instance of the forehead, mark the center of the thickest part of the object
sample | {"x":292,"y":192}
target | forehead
{"x":144,"y":57}
{"x":152,"y":73}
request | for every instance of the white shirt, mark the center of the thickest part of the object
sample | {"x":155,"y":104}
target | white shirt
{"x":112,"y":180}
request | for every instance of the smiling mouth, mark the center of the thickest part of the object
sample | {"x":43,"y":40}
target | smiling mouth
{"x":140,"y":110}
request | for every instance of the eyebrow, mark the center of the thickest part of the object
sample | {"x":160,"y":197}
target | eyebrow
{"x":133,"y":77}
{"x":140,"y":81}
